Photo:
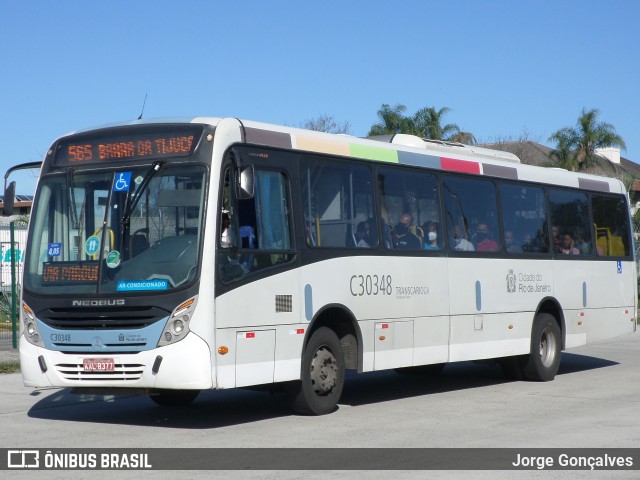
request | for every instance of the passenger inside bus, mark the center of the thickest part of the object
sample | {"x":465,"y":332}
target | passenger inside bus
{"x":402,"y":236}
{"x":484,"y":240}
{"x":510,"y":243}
{"x":226,"y":236}
{"x":431,"y":231}
{"x":580,"y":243}
{"x":567,"y":246}
{"x":459,"y":241}
{"x":364,"y":235}
{"x":556,"y":241}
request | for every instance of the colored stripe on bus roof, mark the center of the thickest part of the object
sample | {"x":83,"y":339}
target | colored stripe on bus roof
{"x":419,"y":160}
{"x":373,"y":153}
{"x":267,"y":137}
{"x":589,"y":184}
{"x":459,"y":165}
{"x":499,"y":171}
{"x":312,"y":144}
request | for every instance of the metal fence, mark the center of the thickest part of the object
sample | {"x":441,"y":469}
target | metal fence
{"x":9,"y":278}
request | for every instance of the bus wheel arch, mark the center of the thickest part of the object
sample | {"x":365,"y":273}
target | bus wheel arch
{"x":546,"y":344}
{"x":551,"y":306}
{"x":330,"y":348}
{"x":342,"y":321}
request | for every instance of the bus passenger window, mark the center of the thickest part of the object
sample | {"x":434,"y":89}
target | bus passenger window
{"x":524,"y":216}
{"x":472,"y":214}
{"x":611,"y":226}
{"x":570,"y":216}
{"x":409,"y":209}
{"x":338,"y":205}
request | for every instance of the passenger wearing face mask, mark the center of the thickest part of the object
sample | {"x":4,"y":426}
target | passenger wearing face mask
{"x":459,"y":241}
{"x":484,"y":241}
{"x":431,"y":242}
{"x":402,"y":236}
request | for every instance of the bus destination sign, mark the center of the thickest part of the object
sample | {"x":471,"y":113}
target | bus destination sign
{"x":69,"y":272}
{"x":132,"y":146}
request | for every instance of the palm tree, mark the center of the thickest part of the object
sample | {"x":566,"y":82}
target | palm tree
{"x":588,"y":135}
{"x":425,"y":123}
{"x":563,"y":153}
{"x":467,"y":138}
{"x":428,"y":122}
{"x":392,"y":120}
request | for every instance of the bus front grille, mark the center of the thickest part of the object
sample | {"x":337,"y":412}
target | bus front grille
{"x":122,"y":372}
{"x":101,"y":318}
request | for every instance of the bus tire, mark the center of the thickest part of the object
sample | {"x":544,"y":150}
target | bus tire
{"x":174,"y":398}
{"x":546,"y":345}
{"x":322,"y":375}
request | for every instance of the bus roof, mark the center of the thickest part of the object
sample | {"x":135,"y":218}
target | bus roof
{"x":400,"y":149}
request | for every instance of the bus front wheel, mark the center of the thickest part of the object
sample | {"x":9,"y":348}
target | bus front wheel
{"x":543,"y":362}
{"x":322,"y":375}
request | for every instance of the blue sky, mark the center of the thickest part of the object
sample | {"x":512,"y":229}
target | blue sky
{"x":504,"y":68}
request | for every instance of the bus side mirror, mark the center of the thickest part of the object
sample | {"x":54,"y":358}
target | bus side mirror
{"x":9,"y":199}
{"x":245,"y":183}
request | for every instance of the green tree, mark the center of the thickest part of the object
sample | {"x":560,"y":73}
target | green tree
{"x":392,"y":120}
{"x":588,"y":135}
{"x":467,"y":138}
{"x":563,"y":153}
{"x":425,"y":123}
{"x":428,"y":124}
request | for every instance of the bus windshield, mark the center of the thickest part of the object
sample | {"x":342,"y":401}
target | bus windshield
{"x":137,"y":229}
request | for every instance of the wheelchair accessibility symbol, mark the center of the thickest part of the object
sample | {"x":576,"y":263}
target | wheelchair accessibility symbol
{"x":123,"y":182}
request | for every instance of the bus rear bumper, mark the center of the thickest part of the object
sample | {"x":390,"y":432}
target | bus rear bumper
{"x":184,"y":365}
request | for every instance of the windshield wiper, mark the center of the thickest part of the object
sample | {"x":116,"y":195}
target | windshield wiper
{"x":155,"y":168}
{"x":72,"y":200}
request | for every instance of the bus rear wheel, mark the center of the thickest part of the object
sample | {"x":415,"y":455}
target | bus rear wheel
{"x":322,"y":375}
{"x":174,"y":398}
{"x":543,"y":362}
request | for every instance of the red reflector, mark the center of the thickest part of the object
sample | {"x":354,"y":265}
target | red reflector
{"x":251,"y":335}
{"x":300,"y":331}
{"x":385,"y":325}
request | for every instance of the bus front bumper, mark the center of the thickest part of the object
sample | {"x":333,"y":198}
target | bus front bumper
{"x":184,"y":365}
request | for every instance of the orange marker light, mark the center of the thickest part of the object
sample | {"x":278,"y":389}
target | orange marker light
{"x":223,"y":350}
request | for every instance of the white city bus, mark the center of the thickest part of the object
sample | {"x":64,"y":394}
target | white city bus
{"x":167,"y":257}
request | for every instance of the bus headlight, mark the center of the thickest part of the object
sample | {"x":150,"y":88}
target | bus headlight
{"x":29,"y":326}
{"x":177,"y":326}
{"x":31,"y":329}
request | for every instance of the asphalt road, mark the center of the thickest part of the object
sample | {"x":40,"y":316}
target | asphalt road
{"x":593,"y":403}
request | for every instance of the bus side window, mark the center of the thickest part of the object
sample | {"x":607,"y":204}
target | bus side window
{"x":524,"y":215}
{"x":472,"y":214}
{"x":611,"y":226}
{"x":337,"y":199}
{"x":570,"y":218}
{"x":409,"y":203}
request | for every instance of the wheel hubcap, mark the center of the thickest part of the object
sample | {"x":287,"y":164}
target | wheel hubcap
{"x":324,"y":371}
{"x":548,"y":347}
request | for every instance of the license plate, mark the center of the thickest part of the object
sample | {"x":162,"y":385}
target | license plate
{"x":99,"y":365}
